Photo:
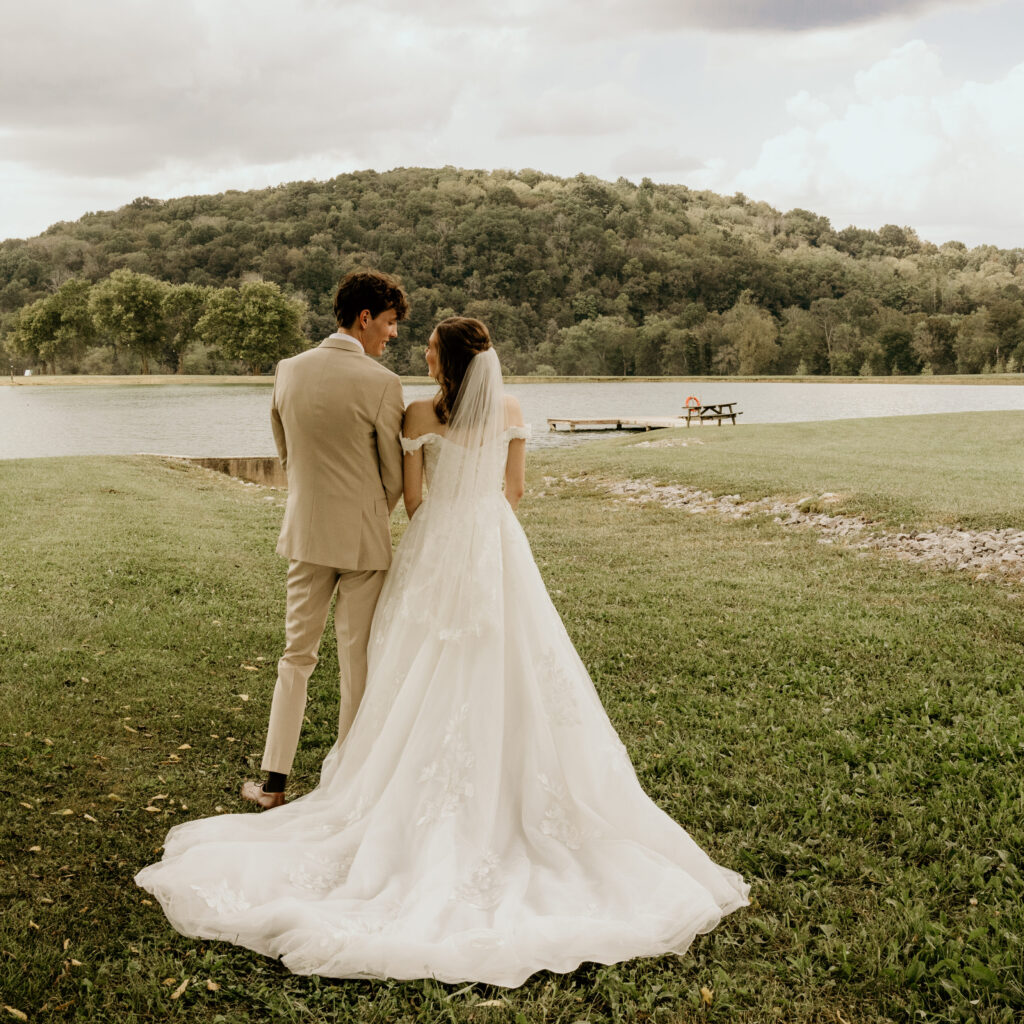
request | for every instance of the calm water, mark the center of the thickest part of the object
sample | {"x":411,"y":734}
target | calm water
{"x":221,"y":420}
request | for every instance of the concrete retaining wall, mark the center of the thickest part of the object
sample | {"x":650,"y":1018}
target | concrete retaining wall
{"x":266,"y":471}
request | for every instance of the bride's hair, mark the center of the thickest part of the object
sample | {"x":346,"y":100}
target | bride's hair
{"x":459,"y":338}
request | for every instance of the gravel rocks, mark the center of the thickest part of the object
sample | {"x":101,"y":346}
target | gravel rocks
{"x":987,"y":554}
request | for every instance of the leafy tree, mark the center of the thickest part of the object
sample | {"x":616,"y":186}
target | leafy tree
{"x":604,"y":346}
{"x":128,"y":308}
{"x":976,"y":345}
{"x":753,"y":333}
{"x":933,"y":343}
{"x":32,"y":332}
{"x":257,"y":324}
{"x":183,"y":308}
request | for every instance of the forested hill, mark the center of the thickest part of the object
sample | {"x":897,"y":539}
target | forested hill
{"x":576,"y":275}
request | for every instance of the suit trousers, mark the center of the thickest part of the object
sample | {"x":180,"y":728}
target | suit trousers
{"x":310,"y":589}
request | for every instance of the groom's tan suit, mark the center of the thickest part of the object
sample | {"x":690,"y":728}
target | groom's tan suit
{"x":336,"y":415}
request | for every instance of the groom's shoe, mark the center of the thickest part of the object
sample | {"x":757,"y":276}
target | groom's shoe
{"x":255,"y":792}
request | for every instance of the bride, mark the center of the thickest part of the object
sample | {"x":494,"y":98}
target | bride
{"x":481,"y":820}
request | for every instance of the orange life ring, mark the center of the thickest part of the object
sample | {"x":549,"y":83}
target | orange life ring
{"x":694,"y":399}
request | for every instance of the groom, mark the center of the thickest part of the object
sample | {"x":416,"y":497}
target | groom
{"x":337,"y":416}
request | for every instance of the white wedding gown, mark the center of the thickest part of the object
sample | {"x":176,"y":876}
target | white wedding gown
{"x":480,"y":822}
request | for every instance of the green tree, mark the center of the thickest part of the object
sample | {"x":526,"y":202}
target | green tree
{"x":976,"y":345}
{"x":754,"y":334}
{"x":183,"y":308}
{"x":933,"y":342}
{"x":128,"y":308}
{"x":32,"y":331}
{"x":257,"y":324}
{"x":604,"y":346}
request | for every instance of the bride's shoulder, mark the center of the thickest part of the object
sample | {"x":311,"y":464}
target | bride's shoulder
{"x":513,"y":411}
{"x":420,"y":418}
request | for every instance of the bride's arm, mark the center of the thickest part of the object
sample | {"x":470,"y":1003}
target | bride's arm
{"x":515,"y":471}
{"x":515,"y":462}
{"x":412,"y":479}
{"x":412,"y":461}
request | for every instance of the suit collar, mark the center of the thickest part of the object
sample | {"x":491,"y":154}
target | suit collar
{"x":345,"y":344}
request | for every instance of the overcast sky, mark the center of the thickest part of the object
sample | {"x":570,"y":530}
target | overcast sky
{"x":868,"y":111}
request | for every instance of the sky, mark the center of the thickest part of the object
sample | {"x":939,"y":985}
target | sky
{"x":869,"y":112}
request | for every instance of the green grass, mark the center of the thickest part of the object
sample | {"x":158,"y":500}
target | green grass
{"x":846,"y":730}
{"x":949,"y":469}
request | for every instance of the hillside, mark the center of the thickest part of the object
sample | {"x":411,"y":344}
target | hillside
{"x":577,"y":275}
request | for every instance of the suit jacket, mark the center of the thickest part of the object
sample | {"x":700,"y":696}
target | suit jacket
{"x":337,"y":415}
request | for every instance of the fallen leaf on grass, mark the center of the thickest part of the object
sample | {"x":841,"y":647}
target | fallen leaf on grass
{"x":48,"y":741}
{"x":66,"y":810}
{"x":128,"y":728}
{"x":16,"y":1014}
{"x":77,"y":963}
{"x":159,"y":796}
{"x":212,"y":986}
{"x":242,"y":696}
{"x":185,"y":746}
{"x":35,"y":849}
{"x":152,"y":809}
{"x":32,"y":924}
{"x":114,"y":796}
{"x":177,"y":993}
{"x":707,"y":994}
{"x":89,"y":817}
{"x":492,"y":1002}
{"x":26,"y":804}
{"x":169,"y":981}
{"x":149,"y":903}
{"x":67,"y":945}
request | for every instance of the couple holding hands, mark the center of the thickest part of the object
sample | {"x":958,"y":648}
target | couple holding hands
{"x":478,"y":818}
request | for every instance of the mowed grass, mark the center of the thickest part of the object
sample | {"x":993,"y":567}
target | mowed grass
{"x":846,"y":730}
{"x":963,"y":469}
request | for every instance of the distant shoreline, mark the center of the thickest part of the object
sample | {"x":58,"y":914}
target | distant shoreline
{"x":267,"y":380}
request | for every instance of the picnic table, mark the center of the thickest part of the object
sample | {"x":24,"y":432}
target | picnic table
{"x":718,"y":411}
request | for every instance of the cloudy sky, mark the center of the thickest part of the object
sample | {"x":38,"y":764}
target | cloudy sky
{"x":868,"y":111}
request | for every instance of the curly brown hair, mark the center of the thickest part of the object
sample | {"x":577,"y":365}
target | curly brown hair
{"x":368,"y":289}
{"x":459,"y":338}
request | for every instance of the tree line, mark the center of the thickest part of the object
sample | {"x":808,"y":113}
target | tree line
{"x":130,"y":321}
{"x":573,"y":276}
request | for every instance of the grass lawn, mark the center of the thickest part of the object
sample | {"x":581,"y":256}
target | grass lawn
{"x":949,"y":469}
{"x":846,"y":730}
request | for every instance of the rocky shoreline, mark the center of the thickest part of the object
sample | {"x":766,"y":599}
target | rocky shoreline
{"x":987,"y":554}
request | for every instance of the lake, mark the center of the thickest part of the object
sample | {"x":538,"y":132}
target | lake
{"x":234,"y":420}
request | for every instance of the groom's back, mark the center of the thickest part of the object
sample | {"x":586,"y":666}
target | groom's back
{"x":337,"y":416}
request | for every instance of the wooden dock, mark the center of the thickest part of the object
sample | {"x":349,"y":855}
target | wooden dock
{"x":616,"y":423}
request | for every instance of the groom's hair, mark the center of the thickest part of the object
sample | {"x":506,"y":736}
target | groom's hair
{"x":368,"y":289}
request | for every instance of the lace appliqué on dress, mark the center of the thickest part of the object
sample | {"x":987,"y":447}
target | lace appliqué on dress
{"x":319,"y":874}
{"x":450,"y":771}
{"x":557,"y":822}
{"x":222,"y":898}
{"x":484,"y":884}
{"x":557,"y":689}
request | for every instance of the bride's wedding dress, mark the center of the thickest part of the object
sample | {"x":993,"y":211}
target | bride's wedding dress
{"x":482,"y":820}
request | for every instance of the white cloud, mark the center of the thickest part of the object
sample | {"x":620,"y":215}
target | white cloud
{"x":911,"y":146}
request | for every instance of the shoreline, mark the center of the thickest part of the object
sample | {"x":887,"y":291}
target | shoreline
{"x":267,"y":380}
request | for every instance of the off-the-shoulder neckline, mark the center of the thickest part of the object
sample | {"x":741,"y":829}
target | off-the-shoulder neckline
{"x":412,"y":443}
